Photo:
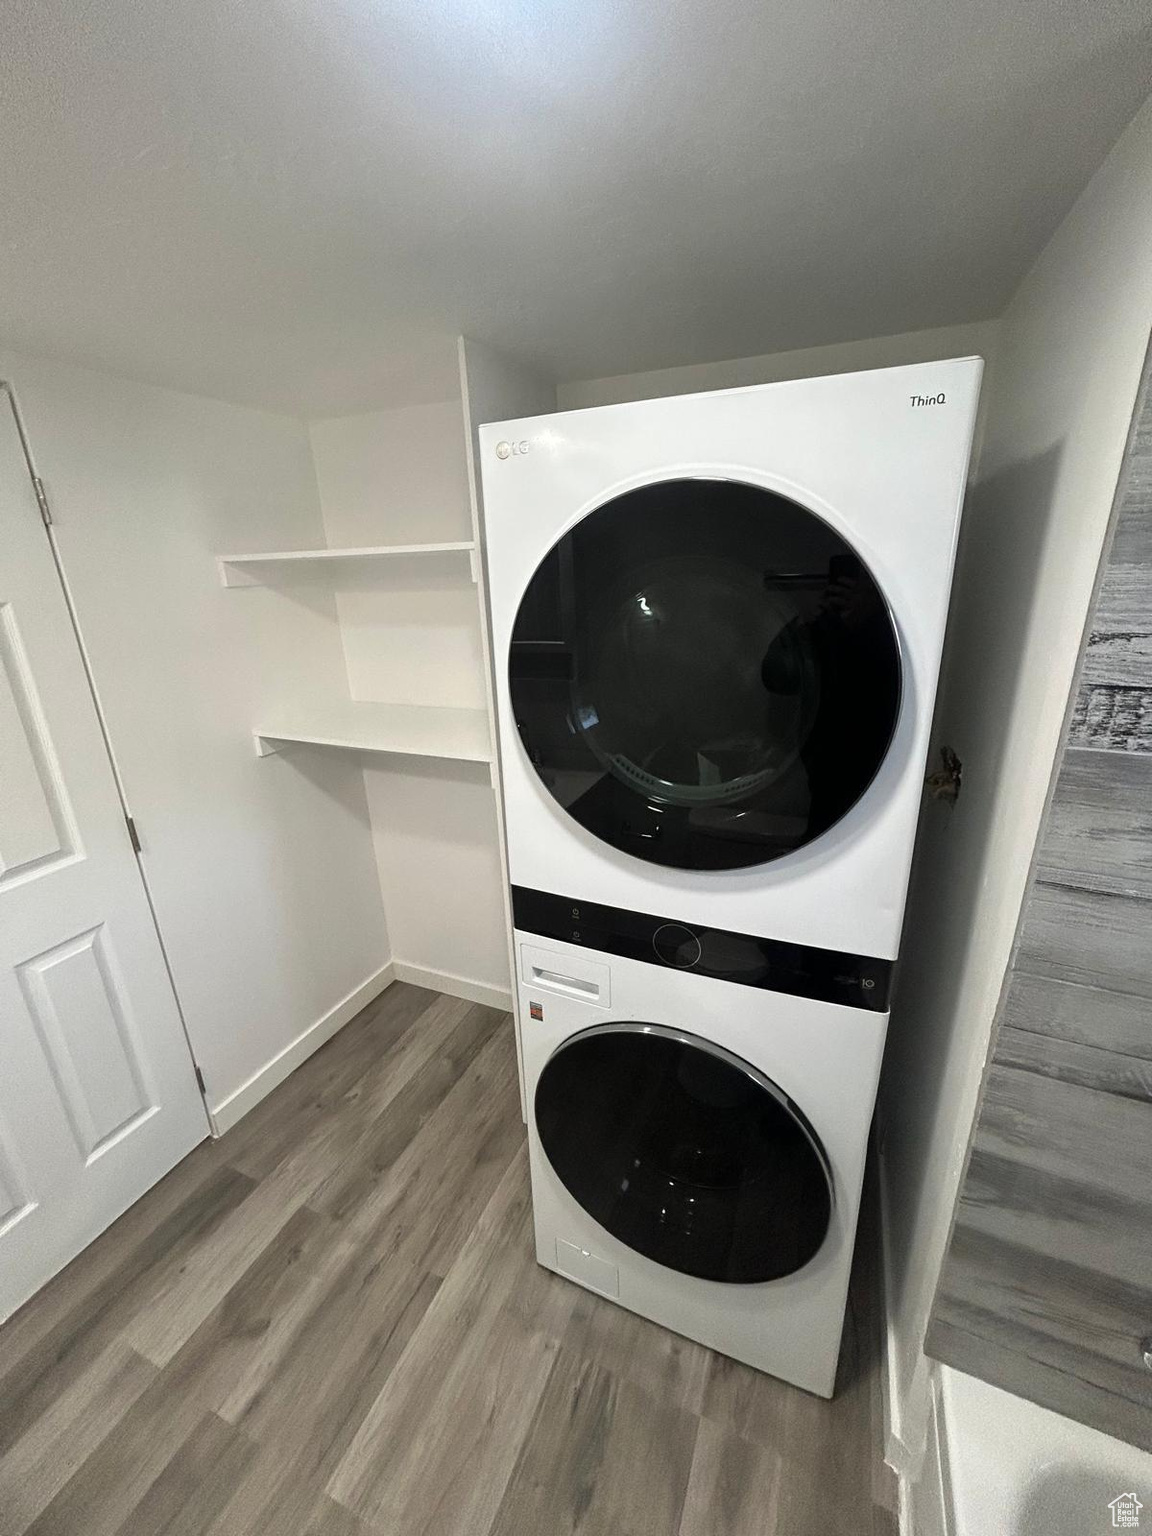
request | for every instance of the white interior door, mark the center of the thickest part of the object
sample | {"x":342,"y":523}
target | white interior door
{"x":98,"y":1097}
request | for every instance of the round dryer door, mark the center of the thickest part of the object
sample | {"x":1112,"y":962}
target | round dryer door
{"x":684,"y":1152}
{"x":704,"y":674}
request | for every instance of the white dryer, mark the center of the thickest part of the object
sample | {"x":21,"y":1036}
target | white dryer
{"x":717,"y":623}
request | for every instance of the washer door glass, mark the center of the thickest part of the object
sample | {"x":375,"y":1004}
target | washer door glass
{"x":704,"y":674}
{"x":684,"y":1152}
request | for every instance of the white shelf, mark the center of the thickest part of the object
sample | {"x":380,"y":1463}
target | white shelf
{"x":412,"y":730}
{"x":263,"y":568}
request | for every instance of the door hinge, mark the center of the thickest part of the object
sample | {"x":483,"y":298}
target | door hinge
{"x":200,"y":1083}
{"x":42,"y":500}
{"x":133,"y":834}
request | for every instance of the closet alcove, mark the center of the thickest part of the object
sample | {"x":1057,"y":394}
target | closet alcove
{"x":401,"y":577}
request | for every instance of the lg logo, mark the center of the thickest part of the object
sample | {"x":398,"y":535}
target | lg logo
{"x":512,"y":450}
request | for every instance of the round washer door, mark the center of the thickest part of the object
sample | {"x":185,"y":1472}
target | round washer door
{"x":684,"y":1152}
{"x":704,"y":674}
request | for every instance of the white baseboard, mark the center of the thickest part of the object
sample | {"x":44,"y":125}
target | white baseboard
{"x":927,"y":1505}
{"x":904,"y":1444}
{"x":225,"y":1114}
{"x":454,"y":986}
{"x":898,"y":1453}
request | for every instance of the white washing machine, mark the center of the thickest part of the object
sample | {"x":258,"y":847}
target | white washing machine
{"x":697,"y":1145}
{"x":717,"y":623}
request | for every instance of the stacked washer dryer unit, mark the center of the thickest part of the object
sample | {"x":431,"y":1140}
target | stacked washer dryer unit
{"x":717,"y":622}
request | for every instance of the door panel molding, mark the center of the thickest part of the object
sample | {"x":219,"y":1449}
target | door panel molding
{"x":81,"y":1014}
{"x":34,"y":807}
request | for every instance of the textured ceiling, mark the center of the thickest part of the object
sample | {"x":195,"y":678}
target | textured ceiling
{"x":294,"y":202}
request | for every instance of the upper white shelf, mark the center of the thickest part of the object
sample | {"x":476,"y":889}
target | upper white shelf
{"x":264,"y":569}
{"x":411,"y":730}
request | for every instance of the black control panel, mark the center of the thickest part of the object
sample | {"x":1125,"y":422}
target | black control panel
{"x":859,"y":981}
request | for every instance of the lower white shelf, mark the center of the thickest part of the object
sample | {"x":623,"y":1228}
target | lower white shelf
{"x":258,"y":570}
{"x":411,"y":730}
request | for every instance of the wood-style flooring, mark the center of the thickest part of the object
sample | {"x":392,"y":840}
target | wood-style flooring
{"x":331,"y":1323}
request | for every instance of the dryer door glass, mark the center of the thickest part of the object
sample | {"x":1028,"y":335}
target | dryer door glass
{"x":704,"y":674}
{"x":684,"y":1152}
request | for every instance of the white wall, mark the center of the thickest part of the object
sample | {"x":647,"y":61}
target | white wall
{"x":411,"y":635}
{"x":439,"y":858}
{"x":1059,"y":406}
{"x":411,"y":631}
{"x":261,"y":870}
{"x":395,"y":476}
{"x":810,"y":363}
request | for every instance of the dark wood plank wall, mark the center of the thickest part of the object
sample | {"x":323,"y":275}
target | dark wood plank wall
{"x":1046,"y":1288}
